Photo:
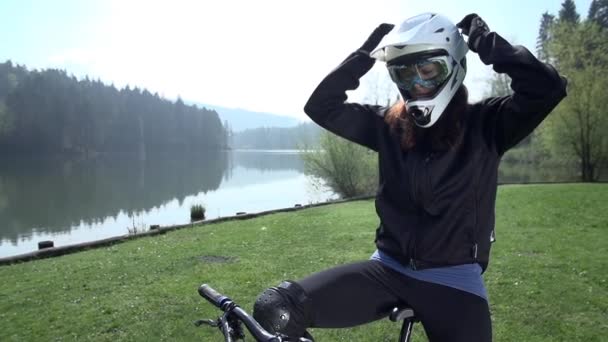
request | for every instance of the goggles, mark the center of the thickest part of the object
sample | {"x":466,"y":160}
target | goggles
{"x":422,"y":77}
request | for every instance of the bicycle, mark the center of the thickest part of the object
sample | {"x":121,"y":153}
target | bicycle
{"x":230,"y":322}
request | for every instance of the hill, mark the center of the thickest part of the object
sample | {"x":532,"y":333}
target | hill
{"x":242,"y":119}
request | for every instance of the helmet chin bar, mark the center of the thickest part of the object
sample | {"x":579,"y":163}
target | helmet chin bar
{"x":421,"y":115}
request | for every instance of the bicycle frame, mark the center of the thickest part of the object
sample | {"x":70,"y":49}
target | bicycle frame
{"x":406,"y":315}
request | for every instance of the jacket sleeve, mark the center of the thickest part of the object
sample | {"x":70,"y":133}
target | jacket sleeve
{"x":537,"y":89}
{"x":327,"y":105}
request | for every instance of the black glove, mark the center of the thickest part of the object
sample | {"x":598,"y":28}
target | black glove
{"x":474,"y":27}
{"x":375,"y":38}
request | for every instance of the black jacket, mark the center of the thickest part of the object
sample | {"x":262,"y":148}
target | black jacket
{"x":437,"y":209}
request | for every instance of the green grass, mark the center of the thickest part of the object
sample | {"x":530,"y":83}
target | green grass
{"x":547,"y":280}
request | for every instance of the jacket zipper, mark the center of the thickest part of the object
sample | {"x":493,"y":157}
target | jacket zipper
{"x":421,"y":198}
{"x":476,"y":224}
{"x":412,"y":242}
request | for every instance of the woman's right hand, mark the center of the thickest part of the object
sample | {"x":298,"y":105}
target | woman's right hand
{"x":473,"y":26}
{"x":374,"y":39}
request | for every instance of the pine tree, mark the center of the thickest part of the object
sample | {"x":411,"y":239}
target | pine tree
{"x":568,"y":12}
{"x":544,"y":34}
{"x":598,"y":12}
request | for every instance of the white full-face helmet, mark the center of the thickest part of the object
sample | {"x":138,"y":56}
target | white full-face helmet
{"x":425,"y":57}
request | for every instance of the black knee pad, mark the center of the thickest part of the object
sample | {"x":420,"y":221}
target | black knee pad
{"x":284,"y":309}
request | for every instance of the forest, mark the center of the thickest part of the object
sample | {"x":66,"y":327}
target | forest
{"x":46,"y":112}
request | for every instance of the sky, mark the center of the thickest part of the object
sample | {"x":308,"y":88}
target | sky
{"x":264,"y":55}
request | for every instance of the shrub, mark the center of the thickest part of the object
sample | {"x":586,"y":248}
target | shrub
{"x":197,"y":212}
{"x":347,"y":168}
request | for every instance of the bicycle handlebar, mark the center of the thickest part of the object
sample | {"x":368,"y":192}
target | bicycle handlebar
{"x":254,"y":327}
{"x":212,"y":296}
{"x":229,"y":307}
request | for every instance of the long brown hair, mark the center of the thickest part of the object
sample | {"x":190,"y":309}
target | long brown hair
{"x":445,"y":134}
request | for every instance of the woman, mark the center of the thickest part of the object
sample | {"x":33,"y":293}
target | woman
{"x":438,"y":160}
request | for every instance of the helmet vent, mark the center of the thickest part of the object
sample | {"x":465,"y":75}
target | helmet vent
{"x":439,"y":30}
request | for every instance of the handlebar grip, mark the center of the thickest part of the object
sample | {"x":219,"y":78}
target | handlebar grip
{"x":212,"y":296}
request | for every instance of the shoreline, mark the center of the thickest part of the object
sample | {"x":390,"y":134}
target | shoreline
{"x":78,"y":247}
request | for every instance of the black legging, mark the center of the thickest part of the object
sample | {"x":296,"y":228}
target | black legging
{"x":362,"y":292}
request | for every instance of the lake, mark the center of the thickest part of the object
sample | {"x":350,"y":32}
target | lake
{"x":72,"y":201}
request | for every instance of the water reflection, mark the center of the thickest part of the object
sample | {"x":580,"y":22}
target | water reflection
{"x":52,"y":195}
{"x":268,"y":160}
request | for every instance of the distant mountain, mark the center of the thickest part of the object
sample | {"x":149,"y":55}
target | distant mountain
{"x":242,"y":119}
{"x":277,"y":138}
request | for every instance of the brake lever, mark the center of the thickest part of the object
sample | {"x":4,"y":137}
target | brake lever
{"x":209,"y":322}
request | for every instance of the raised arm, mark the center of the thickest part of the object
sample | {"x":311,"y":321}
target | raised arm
{"x":537,"y":87}
{"x":327,"y":105}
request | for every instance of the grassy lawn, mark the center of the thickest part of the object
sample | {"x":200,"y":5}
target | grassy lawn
{"x":547,"y":280}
